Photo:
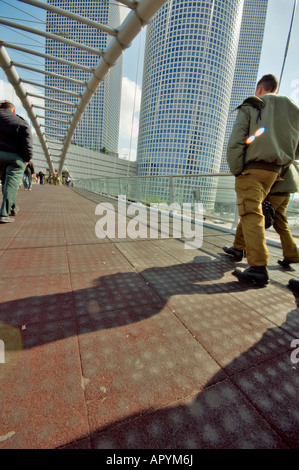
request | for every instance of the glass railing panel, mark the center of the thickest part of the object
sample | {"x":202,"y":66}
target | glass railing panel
{"x":215,"y":192}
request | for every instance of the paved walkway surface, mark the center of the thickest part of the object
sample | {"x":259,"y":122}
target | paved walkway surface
{"x":138,"y":344}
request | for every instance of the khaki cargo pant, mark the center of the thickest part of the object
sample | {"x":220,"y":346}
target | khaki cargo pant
{"x":252,"y":186}
{"x":289,"y":247}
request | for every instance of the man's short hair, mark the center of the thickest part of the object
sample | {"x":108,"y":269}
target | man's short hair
{"x":269,"y":82}
{"x":4,"y":104}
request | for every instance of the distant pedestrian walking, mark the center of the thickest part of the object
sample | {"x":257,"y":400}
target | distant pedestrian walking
{"x":28,"y":175}
{"x":41,"y":176}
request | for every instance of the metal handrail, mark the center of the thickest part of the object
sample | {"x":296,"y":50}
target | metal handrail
{"x":211,"y":219}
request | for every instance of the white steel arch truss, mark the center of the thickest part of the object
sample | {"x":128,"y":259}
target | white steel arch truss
{"x":67,"y":120}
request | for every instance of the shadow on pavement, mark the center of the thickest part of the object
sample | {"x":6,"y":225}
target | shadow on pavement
{"x":162,"y":366}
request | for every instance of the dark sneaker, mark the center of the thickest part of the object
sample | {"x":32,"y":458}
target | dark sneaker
{"x":258,"y":275}
{"x":14,"y":210}
{"x":294,"y":286}
{"x":5,"y":219}
{"x":285,"y":263}
{"x":232,"y":251}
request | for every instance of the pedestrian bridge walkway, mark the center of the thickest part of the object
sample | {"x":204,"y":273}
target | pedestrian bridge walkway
{"x":138,"y":344}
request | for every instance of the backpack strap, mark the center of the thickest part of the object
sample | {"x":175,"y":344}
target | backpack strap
{"x":256,"y":103}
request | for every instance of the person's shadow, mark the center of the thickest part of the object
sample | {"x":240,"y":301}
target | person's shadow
{"x":151,"y":384}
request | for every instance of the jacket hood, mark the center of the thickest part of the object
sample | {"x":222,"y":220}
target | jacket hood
{"x":253,"y":101}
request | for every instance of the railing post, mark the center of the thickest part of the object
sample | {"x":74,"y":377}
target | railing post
{"x":170,"y":189}
{"x":138,"y":195}
{"x":236,"y":218}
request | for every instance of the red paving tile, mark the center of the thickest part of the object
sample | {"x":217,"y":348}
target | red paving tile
{"x":217,"y":418}
{"x":149,"y":369}
{"x":42,"y":399}
{"x":137,"y":344}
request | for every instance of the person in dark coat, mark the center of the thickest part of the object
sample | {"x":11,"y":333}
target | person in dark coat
{"x":16,"y":150}
{"x":41,"y":176}
{"x":28,"y":175}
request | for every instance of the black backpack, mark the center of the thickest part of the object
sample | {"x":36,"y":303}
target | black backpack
{"x":269,"y":213}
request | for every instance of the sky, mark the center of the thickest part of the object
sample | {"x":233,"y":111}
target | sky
{"x":277,"y":27}
{"x":279,"y":15}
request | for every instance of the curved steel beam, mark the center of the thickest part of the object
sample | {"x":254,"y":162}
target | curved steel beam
{"x":129,"y":29}
{"x":15,"y":81}
{"x":49,"y":74}
{"x":54,"y":37}
{"x":129,"y":3}
{"x":72,"y":16}
{"x":9,"y":45}
{"x":141,"y":13}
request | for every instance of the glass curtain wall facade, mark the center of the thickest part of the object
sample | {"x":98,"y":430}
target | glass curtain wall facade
{"x":247,"y":63}
{"x":189,"y":65}
{"x":99,"y":125}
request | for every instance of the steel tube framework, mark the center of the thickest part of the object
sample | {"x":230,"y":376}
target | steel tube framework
{"x":121,"y":38}
{"x":14,"y":79}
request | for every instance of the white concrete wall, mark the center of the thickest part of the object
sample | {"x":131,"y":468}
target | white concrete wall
{"x":85,"y":163}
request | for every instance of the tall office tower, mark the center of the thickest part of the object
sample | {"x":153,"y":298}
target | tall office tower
{"x":247,"y":62}
{"x":189,"y":64}
{"x":99,"y":125}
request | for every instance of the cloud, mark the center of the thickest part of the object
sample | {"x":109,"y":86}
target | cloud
{"x":126,"y":152}
{"x":7,"y":92}
{"x":295,"y":92}
{"x":130,"y":105}
{"x":129,"y":118}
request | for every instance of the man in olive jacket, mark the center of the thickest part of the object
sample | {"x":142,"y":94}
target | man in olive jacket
{"x":15,"y":152}
{"x":264,"y":141}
